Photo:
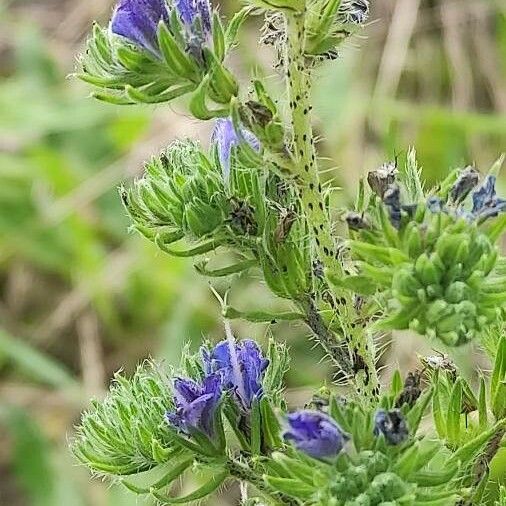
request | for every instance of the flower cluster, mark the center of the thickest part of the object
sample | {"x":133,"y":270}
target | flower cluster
{"x":231,"y":366}
{"x":156,"y":50}
{"x":433,"y":260}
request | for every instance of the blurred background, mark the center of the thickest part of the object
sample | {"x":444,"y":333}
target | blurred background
{"x":80,"y":297}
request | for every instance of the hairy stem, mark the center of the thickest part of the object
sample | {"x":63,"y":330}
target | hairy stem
{"x":361,"y":346}
{"x":244,"y":473}
{"x":306,"y":166}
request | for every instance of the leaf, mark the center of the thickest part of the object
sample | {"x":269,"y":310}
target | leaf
{"x":174,"y":470}
{"x":437,"y":414}
{"x":200,"y":493}
{"x":271,"y":428}
{"x":416,"y":413}
{"x":454,"y":411}
{"x":291,"y":487}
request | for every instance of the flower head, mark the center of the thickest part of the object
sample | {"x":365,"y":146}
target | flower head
{"x":225,"y":138}
{"x":241,"y":367}
{"x":137,"y":21}
{"x":196,"y":404}
{"x":392,"y":425}
{"x":315,"y":433}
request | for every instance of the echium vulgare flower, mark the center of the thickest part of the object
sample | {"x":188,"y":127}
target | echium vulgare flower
{"x":240,"y":365}
{"x":138,"y":20}
{"x":196,"y":404}
{"x":314,"y":433}
{"x":226,"y":138}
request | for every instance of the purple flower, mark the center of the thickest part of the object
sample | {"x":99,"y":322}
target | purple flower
{"x":485,"y":202}
{"x":192,"y":10}
{"x":392,"y":425}
{"x":137,"y":20}
{"x":196,"y":404}
{"x":240,"y":365}
{"x":315,"y":433}
{"x":225,"y":138}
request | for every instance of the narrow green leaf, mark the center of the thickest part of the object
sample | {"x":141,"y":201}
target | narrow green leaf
{"x":36,"y":364}
{"x":482,"y":404}
{"x":454,"y":412}
{"x":213,"y":484}
{"x":174,"y":471}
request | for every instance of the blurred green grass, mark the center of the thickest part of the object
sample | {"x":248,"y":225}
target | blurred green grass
{"x":80,"y":297}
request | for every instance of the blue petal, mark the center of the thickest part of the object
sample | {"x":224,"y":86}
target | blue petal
{"x":186,"y":390}
{"x":185,"y":10}
{"x":137,"y":20}
{"x":225,"y":138}
{"x":315,"y":433}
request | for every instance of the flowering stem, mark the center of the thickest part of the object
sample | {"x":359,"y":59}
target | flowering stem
{"x":313,"y":202}
{"x":306,"y":167}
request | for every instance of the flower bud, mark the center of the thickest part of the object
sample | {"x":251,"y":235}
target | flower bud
{"x":196,"y":404}
{"x":182,"y":194}
{"x":315,"y":433}
{"x":466,"y":181}
{"x":227,"y":140}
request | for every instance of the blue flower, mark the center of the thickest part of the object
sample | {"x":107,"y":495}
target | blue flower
{"x":392,"y":425}
{"x":137,"y":20}
{"x":241,"y":367}
{"x":196,"y":404}
{"x":192,"y":10}
{"x":315,"y":433}
{"x":485,"y":202}
{"x":225,"y":138}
